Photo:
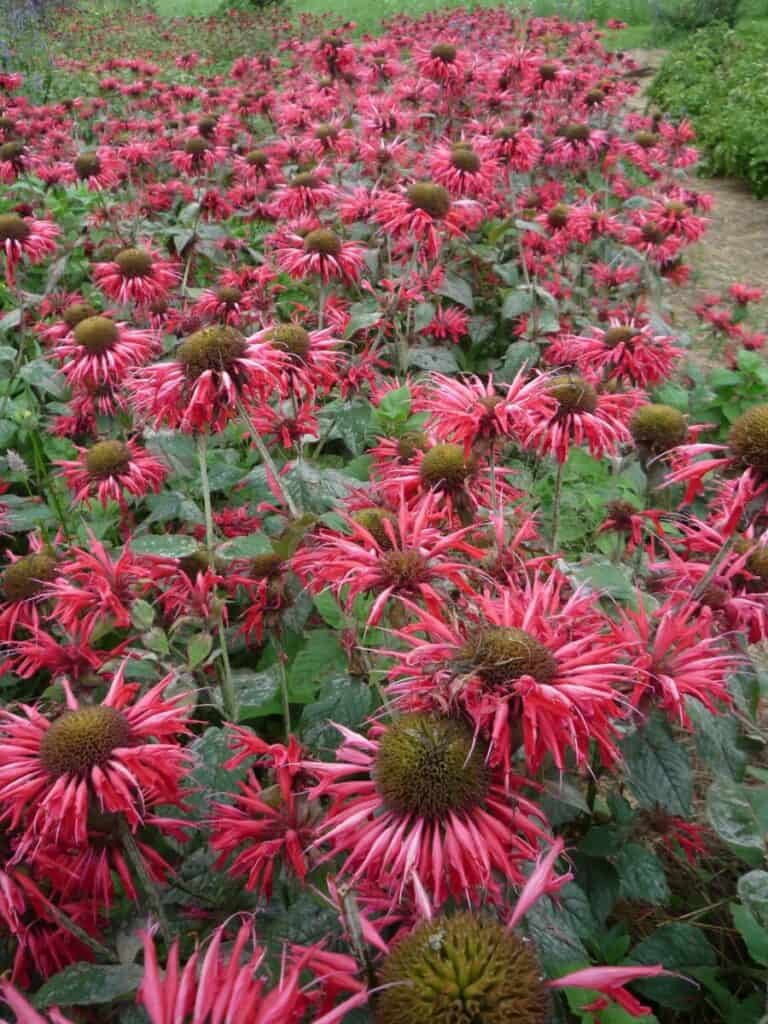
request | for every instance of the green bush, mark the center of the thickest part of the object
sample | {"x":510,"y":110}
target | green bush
{"x":719,"y":80}
{"x":687,"y":15}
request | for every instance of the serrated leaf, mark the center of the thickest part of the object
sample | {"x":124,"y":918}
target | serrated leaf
{"x":516,"y":303}
{"x":342,"y":700}
{"x":40,"y":374}
{"x":679,"y":947}
{"x":641,"y":876}
{"x":423,"y":315}
{"x":433,"y":358}
{"x":456,"y":288}
{"x":164,"y":545}
{"x":753,"y":893}
{"x":395,"y":404}
{"x":256,"y":692}
{"x":558,"y":928}
{"x":659,"y":769}
{"x":516,"y":356}
{"x":754,"y":934}
{"x":321,"y":656}
{"x":318,"y":489}
{"x":142,"y":614}
{"x":198,"y":649}
{"x":718,"y":740}
{"x":208,"y":779}
{"x":733,"y":817}
{"x":85,"y":984}
{"x":248,"y":546}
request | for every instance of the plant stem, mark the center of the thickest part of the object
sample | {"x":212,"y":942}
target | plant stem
{"x":133,"y":853}
{"x":269,"y":464}
{"x":715,"y":564}
{"x":556,"y":503}
{"x":229,"y":700}
{"x":284,"y":690}
{"x":102,"y":952}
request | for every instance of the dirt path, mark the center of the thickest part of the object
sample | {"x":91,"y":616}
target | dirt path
{"x":735,"y":247}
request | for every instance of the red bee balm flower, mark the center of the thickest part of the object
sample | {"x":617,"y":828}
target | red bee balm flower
{"x":25,"y":238}
{"x":136,"y":275}
{"x":416,"y":804}
{"x":109,"y":469}
{"x":101,"y":351}
{"x":212,"y":371}
{"x":322,"y":253}
{"x":117,"y":757}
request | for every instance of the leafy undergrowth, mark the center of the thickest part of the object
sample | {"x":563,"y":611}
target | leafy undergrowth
{"x":718,"y":79}
{"x":384,"y":594}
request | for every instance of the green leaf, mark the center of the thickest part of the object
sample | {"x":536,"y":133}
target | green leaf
{"x":164,"y":545}
{"x":321,"y":656}
{"x":603,"y":577}
{"x":456,"y":288}
{"x":516,"y":303}
{"x":659,"y":769}
{"x":754,"y":934}
{"x":328,"y":607}
{"x":395,"y":404}
{"x":209,"y":779}
{"x":558,"y":928}
{"x":423,"y":315}
{"x":90,"y":985}
{"x":516,"y":356}
{"x":342,"y":700}
{"x":433,"y":357}
{"x":641,"y":876}
{"x":256,"y":692}
{"x":316,"y":488}
{"x":733,"y":817}
{"x":198,"y":648}
{"x":718,"y":740}
{"x":249,"y":546}
{"x":753,"y":893}
{"x":142,"y":614}
{"x":679,"y":947}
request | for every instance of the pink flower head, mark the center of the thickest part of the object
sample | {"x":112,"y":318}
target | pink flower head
{"x":424,"y":214}
{"x":465,"y":171}
{"x":109,"y":470}
{"x":416,"y":800}
{"x":320,"y":253}
{"x":526,"y":665}
{"x":625,"y":351}
{"x":100,"y":351}
{"x":25,"y":238}
{"x":136,"y":275}
{"x":211,"y":373}
{"x":117,"y":757}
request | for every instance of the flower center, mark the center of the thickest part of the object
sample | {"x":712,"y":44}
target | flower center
{"x":323,"y":241}
{"x":403,"y":567}
{"x":653,"y":233}
{"x":462,"y":969}
{"x":502,"y":654}
{"x":616,"y":336}
{"x":430,"y":766}
{"x":575,"y":132}
{"x":409,"y":443}
{"x":432,"y":199}
{"x":230,"y":296}
{"x":305,"y":179}
{"x":82,"y":739}
{"x":196,"y":146}
{"x":657,"y":428}
{"x":87,"y":165}
{"x":106,"y":458}
{"x":212,"y":348}
{"x":445,"y":465}
{"x":257,"y":158}
{"x":134,"y":262}
{"x":621,"y":512}
{"x":749,"y":438}
{"x":446,"y":52}
{"x":595,"y":97}
{"x":548,"y":72}
{"x":464,"y":158}
{"x":557,"y":217}
{"x":264,"y":566}
{"x":326,"y":131}
{"x":207,"y":124}
{"x":27,"y":576}
{"x":96,"y":334}
{"x":12,"y":151}
{"x":13,"y":228}
{"x":573,"y":394}
{"x":372,"y":520}
{"x":646,"y":140}
{"x":290,"y":338}
{"x":78,"y":311}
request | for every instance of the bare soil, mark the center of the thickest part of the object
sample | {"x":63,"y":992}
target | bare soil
{"x":735,"y":247}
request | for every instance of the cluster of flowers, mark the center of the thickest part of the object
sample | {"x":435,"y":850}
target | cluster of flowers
{"x":335,"y":177}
